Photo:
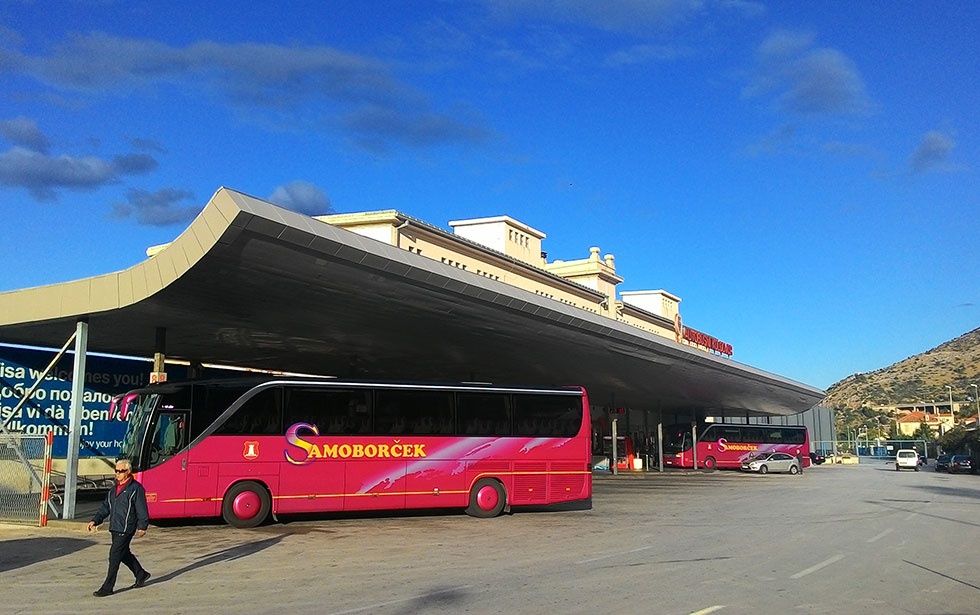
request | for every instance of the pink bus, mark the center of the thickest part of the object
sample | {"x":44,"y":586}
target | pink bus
{"x":247,"y":449}
{"x":725,"y":445}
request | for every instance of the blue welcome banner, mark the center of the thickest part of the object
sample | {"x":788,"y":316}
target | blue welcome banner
{"x":48,"y":408}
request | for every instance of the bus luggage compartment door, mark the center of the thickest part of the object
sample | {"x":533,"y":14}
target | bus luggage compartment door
{"x":374,"y":485}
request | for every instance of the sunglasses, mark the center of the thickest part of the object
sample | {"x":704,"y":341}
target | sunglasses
{"x":118,"y":471}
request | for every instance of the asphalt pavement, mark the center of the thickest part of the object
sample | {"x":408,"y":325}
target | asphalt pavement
{"x":838,"y":539}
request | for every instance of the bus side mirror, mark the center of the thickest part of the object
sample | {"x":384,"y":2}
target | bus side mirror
{"x":125,"y":405}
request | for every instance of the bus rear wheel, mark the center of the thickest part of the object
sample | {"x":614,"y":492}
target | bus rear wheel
{"x":246,"y":505}
{"x":487,"y":498}
{"x":710,"y":465}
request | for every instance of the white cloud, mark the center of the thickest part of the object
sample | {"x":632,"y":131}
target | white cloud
{"x":160,"y":208}
{"x":933,"y":152}
{"x":288,"y":81}
{"x":807,"y":80}
{"x":24,"y":132}
{"x":302,"y":197}
{"x":642,"y":54}
{"x":611,"y":15}
{"x":42,"y":175}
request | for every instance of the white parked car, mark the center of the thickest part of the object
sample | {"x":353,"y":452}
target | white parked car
{"x":907,"y":458}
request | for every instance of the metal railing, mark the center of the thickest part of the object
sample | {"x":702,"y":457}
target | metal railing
{"x":876,"y":448}
{"x":25,"y":469}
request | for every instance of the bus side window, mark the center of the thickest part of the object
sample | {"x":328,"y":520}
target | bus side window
{"x":210,"y":403}
{"x":483,"y":414}
{"x":169,"y":436}
{"x":359,"y":413}
{"x":731,"y":435}
{"x":260,"y":415}
{"x":421,"y":412}
{"x":547,"y":415}
{"x":332,"y":411}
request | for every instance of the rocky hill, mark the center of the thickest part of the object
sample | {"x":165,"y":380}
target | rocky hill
{"x":922,"y":377}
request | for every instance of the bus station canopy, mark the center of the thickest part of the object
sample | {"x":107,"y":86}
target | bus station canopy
{"x":252,"y":284}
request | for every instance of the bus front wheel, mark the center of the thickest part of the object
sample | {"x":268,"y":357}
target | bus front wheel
{"x":710,"y":465}
{"x":246,"y":504}
{"x":487,"y":498}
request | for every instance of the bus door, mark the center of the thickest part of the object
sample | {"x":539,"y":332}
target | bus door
{"x":202,"y":497}
{"x":167,"y":455}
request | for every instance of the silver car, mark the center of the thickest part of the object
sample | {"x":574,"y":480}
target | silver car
{"x":763,"y":463}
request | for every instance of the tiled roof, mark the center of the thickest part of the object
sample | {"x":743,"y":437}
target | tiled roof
{"x":918,"y":417}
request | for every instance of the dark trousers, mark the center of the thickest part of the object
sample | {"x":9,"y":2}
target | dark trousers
{"x":119,"y":553}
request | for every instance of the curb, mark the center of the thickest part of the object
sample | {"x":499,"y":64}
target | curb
{"x":626,"y":474}
{"x":75,"y":525}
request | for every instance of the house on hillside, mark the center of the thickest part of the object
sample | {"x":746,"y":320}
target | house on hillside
{"x":969,"y":423}
{"x":938,"y":423}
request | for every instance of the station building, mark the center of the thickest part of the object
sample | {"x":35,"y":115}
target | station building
{"x":504,"y":249}
{"x":383,"y":295}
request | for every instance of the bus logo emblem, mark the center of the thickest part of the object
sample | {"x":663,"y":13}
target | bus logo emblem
{"x":251,"y":450}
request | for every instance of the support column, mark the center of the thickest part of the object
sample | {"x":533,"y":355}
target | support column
{"x":694,"y":440}
{"x":75,"y":419}
{"x":660,"y":444}
{"x":612,"y":462}
{"x":646,"y":440}
{"x":159,"y":373}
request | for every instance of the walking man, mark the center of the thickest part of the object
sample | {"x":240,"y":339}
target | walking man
{"x":125,"y":507}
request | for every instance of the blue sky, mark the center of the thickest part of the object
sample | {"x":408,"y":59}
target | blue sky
{"x":802,"y":174}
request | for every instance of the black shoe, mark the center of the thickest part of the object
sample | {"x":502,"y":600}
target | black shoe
{"x":102,"y":592}
{"x":141,"y":579}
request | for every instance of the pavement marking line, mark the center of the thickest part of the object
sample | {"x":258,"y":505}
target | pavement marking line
{"x":817,"y":567}
{"x":881,"y":535}
{"x":602,"y":557}
{"x":710,"y":609}
{"x":390,"y":602}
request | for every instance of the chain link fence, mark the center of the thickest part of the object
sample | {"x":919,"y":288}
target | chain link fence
{"x":879,"y":449}
{"x":23,"y":478}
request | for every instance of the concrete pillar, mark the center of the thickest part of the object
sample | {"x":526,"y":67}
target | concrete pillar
{"x":612,"y":462}
{"x":75,"y":419}
{"x":159,"y":373}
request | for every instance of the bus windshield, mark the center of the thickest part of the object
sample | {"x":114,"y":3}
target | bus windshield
{"x":677,"y":439}
{"x":138,"y":417}
{"x":157,"y":422}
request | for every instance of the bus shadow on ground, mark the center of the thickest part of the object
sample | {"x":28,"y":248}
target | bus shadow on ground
{"x":22,"y":552}
{"x":951,"y":491}
{"x":444,"y":600}
{"x":285,"y":520}
{"x":427,"y":512}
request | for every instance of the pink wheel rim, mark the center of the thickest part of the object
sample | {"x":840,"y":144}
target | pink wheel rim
{"x":246,"y":505}
{"x":487,"y":498}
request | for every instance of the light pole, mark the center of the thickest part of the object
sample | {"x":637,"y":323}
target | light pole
{"x":976,"y":397}
{"x":949,"y":389}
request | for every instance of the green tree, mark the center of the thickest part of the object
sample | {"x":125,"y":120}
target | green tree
{"x":957,"y":439}
{"x":923,"y":433}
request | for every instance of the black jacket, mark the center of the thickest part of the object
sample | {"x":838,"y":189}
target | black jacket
{"x":126,"y":511}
